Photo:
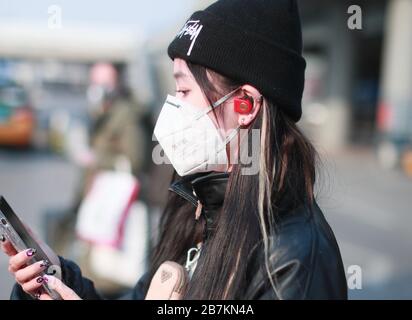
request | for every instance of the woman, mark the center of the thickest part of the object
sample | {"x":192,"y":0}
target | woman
{"x":260,"y":234}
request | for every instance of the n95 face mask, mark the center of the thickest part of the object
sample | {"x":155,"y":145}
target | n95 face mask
{"x":190,"y":139}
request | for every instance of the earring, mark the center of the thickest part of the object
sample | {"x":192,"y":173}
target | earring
{"x":242,"y":121}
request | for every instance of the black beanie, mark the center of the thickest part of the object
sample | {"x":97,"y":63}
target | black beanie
{"x":257,"y":42}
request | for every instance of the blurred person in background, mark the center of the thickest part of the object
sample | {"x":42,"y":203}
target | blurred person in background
{"x":116,"y":132}
{"x":117,"y":141}
{"x":238,"y":65}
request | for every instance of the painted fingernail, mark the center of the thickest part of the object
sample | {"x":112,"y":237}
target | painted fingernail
{"x":3,"y":238}
{"x":50,"y":280}
{"x":39,"y":280}
{"x":31,"y":252}
{"x":45,"y":264}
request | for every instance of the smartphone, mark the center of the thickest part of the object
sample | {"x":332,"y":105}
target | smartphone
{"x":14,"y":230}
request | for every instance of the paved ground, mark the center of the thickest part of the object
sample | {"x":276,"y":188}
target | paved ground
{"x":370,"y":210}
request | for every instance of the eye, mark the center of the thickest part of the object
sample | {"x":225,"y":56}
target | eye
{"x":183,"y":92}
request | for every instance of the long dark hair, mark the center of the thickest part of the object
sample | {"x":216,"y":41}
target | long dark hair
{"x":252,"y":205}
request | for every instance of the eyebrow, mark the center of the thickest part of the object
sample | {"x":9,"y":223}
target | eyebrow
{"x":179,"y":74}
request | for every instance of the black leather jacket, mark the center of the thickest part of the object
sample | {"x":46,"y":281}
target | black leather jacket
{"x":304,"y":255}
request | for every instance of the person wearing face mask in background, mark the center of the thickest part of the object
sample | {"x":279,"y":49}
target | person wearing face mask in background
{"x":239,"y":68}
{"x":117,"y":141}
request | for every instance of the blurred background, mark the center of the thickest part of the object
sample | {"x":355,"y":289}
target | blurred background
{"x":82,"y":83}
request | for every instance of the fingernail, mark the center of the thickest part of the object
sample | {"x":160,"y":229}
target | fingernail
{"x":39,"y":280}
{"x":31,"y":252}
{"x":3,"y":238}
{"x":45,"y":264}
{"x":50,"y":281}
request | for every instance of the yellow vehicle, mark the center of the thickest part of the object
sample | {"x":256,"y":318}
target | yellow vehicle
{"x":17,"y":121}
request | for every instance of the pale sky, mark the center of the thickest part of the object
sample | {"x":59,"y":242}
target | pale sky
{"x":150,"y":16}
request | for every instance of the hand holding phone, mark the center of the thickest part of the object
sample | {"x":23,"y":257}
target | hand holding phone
{"x":31,"y":253}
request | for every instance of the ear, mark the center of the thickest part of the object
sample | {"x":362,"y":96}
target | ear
{"x":246,"y":119}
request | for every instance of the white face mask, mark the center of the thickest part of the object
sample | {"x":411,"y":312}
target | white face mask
{"x":190,"y":139}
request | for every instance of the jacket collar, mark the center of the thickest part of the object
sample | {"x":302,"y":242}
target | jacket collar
{"x":207,"y":188}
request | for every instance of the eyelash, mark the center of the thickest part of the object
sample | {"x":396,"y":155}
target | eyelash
{"x":184,"y":92}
